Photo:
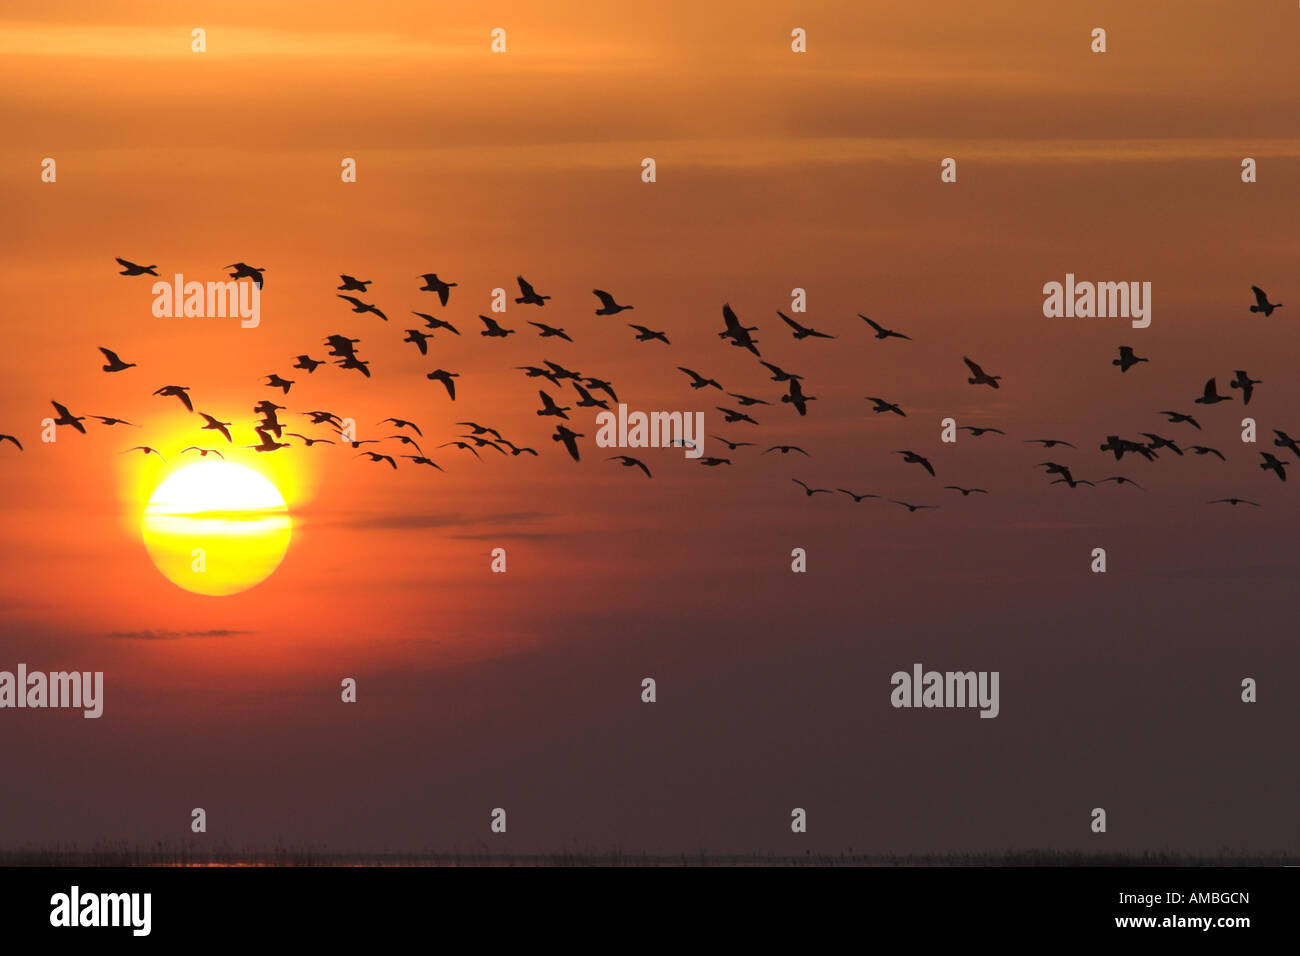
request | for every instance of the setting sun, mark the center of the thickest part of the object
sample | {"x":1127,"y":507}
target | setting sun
{"x":216,"y":528}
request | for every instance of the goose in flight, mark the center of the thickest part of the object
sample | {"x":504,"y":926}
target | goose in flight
{"x":710,"y":462}
{"x":447,"y":379}
{"x":786,"y":449}
{"x":1127,"y":359}
{"x":912,"y":458}
{"x":607,"y":304}
{"x":802,"y":331}
{"x":1121,"y":480}
{"x":779,"y":374}
{"x":1211,"y":395}
{"x":310,"y":441}
{"x":1261,"y":301}
{"x":244,"y":271}
{"x":307,"y":363}
{"x":629,"y":462}
{"x":560,"y":371}
{"x":419,"y":339}
{"x":275,"y":381}
{"x":811,"y":491}
{"x":1073,"y":482}
{"x":856,"y":498}
{"x":362,"y":307}
{"x":550,"y":331}
{"x":730,"y":415}
{"x":570,"y":439}
{"x":403,"y":423}
{"x":528,"y":295}
{"x":911,"y":508}
{"x":976,"y":431}
{"x":587,"y":400}
{"x":967,"y":492}
{"x":493,"y":330}
{"x":435,"y":323}
{"x":377,"y":457}
{"x":602,"y":385}
{"x":732,"y":445}
{"x":204,"y":452}
{"x":422,"y":460}
{"x":550,"y":408}
{"x":341,"y":345}
{"x":698,"y":380}
{"x":353,"y":362}
{"x":1048,"y":442}
{"x":1232,"y":501}
{"x":532,"y":371}
{"x":217,"y":426}
{"x":1055,"y":468}
{"x":884,"y":333}
{"x":474,"y":427}
{"x":110,"y":420}
{"x":478,"y":442}
{"x":1246,"y":384}
{"x":267,"y":443}
{"x":178,"y":391}
{"x":130,"y":268}
{"x":407,"y":440}
{"x":979,"y":376}
{"x":5,"y":438}
{"x":797,"y":398}
{"x":1276,"y":465}
{"x":324,"y":418}
{"x":880,"y":405}
{"x":648,"y":335}
{"x":353,"y":285}
{"x":464,"y":446}
{"x":147,"y":449}
{"x":737,"y":333}
{"x":435,"y":285}
{"x":1206,"y":450}
{"x":1178,"y":417}
{"x":1157,"y":443}
{"x":1283,"y":440}
{"x":67,"y":418}
{"x":516,"y":450}
{"x":114,"y":364}
{"x":746,"y":401}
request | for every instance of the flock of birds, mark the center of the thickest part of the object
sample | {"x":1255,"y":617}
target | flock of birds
{"x":342,"y":349}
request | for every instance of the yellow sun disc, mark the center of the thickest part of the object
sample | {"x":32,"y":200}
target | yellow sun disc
{"x":215,"y":527}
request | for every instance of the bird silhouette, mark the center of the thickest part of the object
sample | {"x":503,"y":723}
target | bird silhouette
{"x":912,"y":458}
{"x":447,"y":379}
{"x":737,"y":333}
{"x":698,"y":380}
{"x":422,"y":460}
{"x":407,"y":440}
{"x":976,"y":431}
{"x":731,"y":415}
{"x":213,"y":425}
{"x":648,"y":335}
{"x":786,"y":449}
{"x":780,"y":374}
{"x":267,"y":443}
{"x":856,"y":498}
{"x":204,"y":452}
{"x":570,"y":439}
{"x":601,"y":385}
{"x":275,"y":381}
{"x":607,"y":304}
{"x":516,"y":450}
{"x":529,"y":296}
{"x":797,"y":398}
{"x":494,"y":330}
{"x":811,"y":491}
{"x":148,"y":450}
{"x":130,"y":268}
{"x":5,"y":438}
{"x":310,"y":441}
{"x":550,"y":331}
{"x":244,"y":271}
{"x":1261,"y":301}
{"x":980,"y":377}
{"x":362,"y":307}
{"x":1048,"y":442}
{"x":732,"y":445}
{"x":587,"y":400}
{"x":1121,"y":480}
{"x":1246,"y":384}
{"x":464,"y":446}
{"x":1178,"y":417}
{"x":710,"y":462}
{"x":1283,"y":440}
{"x":549,"y":407}
{"x":746,"y":401}
{"x":434,"y":323}
{"x":307,"y":363}
{"x":341,"y":345}
{"x":323,"y":418}
{"x":883,"y":406}
{"x":1205,"y":450}
{"x":532,"y":371}
{"x":882,"y":332}
{"x":629,"y":462}
{"x":1232,"y":501}
{"x":802,"y":331}
{"x":560,"y":371}
{"x":967,"y":492}
{"x":433,"y":284}
{"x":1277,"y":466}
{"x":109,"y":420}
{"x":178,"y":391}
{"x":378,"y":457}
{"x":353,"y":285}
{"x":1157,"y":443}
{"x":1211,"y":396}
{"x":1127,"y":359}
{"x":911,"y":508}
{"x":475,"y":427}
{"x":67,"y":418}
{"x":353,"y":362}
{"x":403,"y":423}
{"x":418,"y":339}
{"x":478,"y":442}
{"x":114,"y":364}
{"x":1072,"y":481}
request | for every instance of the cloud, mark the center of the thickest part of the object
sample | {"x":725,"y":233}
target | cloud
{"x":164,"y":635}
{"x":417,"y":522}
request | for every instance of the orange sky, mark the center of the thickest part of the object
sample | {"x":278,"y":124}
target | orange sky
{"x":775,"y":171}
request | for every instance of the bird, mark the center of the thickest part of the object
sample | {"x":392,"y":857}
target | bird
{"x":109,"y":420}
{"x":419,"y":339}
{"x":148,"y":450}
{"x":322,"y":418}
{"x":5,"y":438}
{"x":1211,"y":395}
{"x":478,"y":442}
{"x":1158,"y":442}
{"x":648,"y":335}
{"x":602,"y":385}
{"x":353,"y":285}
{"x":569,"y":438}
{"x":977,"y":430}
{"x":67,"y":418}
{"x":1127,"y":359}
{"x":912,"y":458}
{"x":1261,"y":301}
{"x":746,"y":401}
{"x":516,"y":450}
{"x":433,"y":284}
{"x":362,"y":307}
{"x":980,"y":377}
{"x":1178,"y":417}
{"x":880,"y":405}
{"x":214,"y":425}
{"x":560,"y":371}
{"x":882,"y":332}
{"x":967,"y":492}
{"x":737,"y":333}
{"x":629,"y":462}
{"x":786,"y":449}
{"x":1121,"y":480}
{"x":435,"y":323}
{"x":811,"y":491}
{"x":179,"y":391}
{"x":377,"y":457}
{"x":244,"y":271}
{"x":532,"y":371}
{"x":204,"y":452}
{"x":422,"y":460}
{"x":801,"y":331}
{"x":267,"y":443}
{"x":493,"y":330}
{"x":797,"y":398}
{"x":607,"y":304}
{"x":442,"y":375}
{"x":275,"y":381}
{"x":1283,"y":440}
{"x":1246,"y":384}
{"x":550,"y":408}
{"x":311,"y":441}
{"x":115,"y":364}
{"x":698,"y":380}
{"x":1073,"y":482}
{"x":341,"y":345}
{"x":710,"y":462}
{"x":307,"y":363}
{"x":731,"y":415}
{"x":1048,"y":442}
{"x":464,"y":445}
{"x":403,"y":423}
{"x":732,"y":445}
{"x":1055,"y":468}
{"x":856,"y":498}
{"x":1277,"y":466}
{"x":1232,"y":501}
{"x":911,"y":508}
{"x":780,"y":374}
{"x":586,"y":400}
{"x":130,"y":268}
{"x":353,"y":362}
{"x":407,"y":440}
{"x":475,"y":427}
{"x":550,"y":331}
{"x":1205,"y":450}
{"x":528,"y":296}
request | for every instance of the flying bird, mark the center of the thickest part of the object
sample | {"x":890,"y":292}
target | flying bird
{"x":435,"y":323}
{"x":569,"y":438}
{"x":516,"y":450}
{"x":731,"y":415}
{"x":912,"y":458}
{"x":244,"y":271}
{"x":1246,"y":384}
{"x":442,"y":375}
{"x":130,"y":268}
{"x":532,"y":371}
{"x":912,"y":508}
{"x":464,"y":446}
{"x":980,"y":377}
{"x":178,"y":391}
{"x":146,"y":449}
{"x":967,"y":492}
{"x":797,"y":398}
{"x":856,"y":498}
{"x":811,"y":491}
{"x":1127,"y":359}
{"x":114,"y":364}
{"x":275,"y":381}
{"x":698,"y":380}
{"x":1232,"y":501}
{"x":1261,"y":301}
{"x":422,"y":460}
{"x":549,"y":407}
{"x":1283,"y":440}
{"x":779,"y":374}
{"x":109,"y":420}
{"x":710,"y":462}
{"x":786,"y":449}
{"x":976,"y":431}
{"x":737,"y":333}
{"x":353,"y":285}
{"x":267,"y":443}
{"x":746,"y":401}
{"x":493,"y":330}
{"x":884,"y":333}
{"x":1211,"y":395}
{"x":648,"y":335}
{"x":204,"y":452}
{"x":802,"y":331}
{"x":732,"y":445}
{"x":607,"y":304}
{"x":419,"y":339}
{"x":216,"y":426}
{"x":1048,"y":442}
{"x":586,"y":400}
{"x":602,"y":385}
{"x":880,"y":405}
{"x":403,"y":423}
{"x":1157,"y":443}
{"x":307,"y":363}
{"x":550,"y":331}
{"x":1277,"y":466}
{"x":1179,"y":417}
{"x":629,"y":462}
{"x":1205,"y":450}
{"x":362,"y":307}
{"x":433,"y":284}
{"x":67,"y":418}
{"x":377,"y":457}
{"x":475,"y":427}
{"x":1121,"y":480}
{"x":528,"y":296}
{"x":5,"y":438}
{"x":310,"y":441}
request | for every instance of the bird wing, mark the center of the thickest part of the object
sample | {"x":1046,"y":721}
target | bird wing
{"x":1260,"y":297}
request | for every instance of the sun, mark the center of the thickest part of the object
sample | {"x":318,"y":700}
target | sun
{"x":216,"y":527}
